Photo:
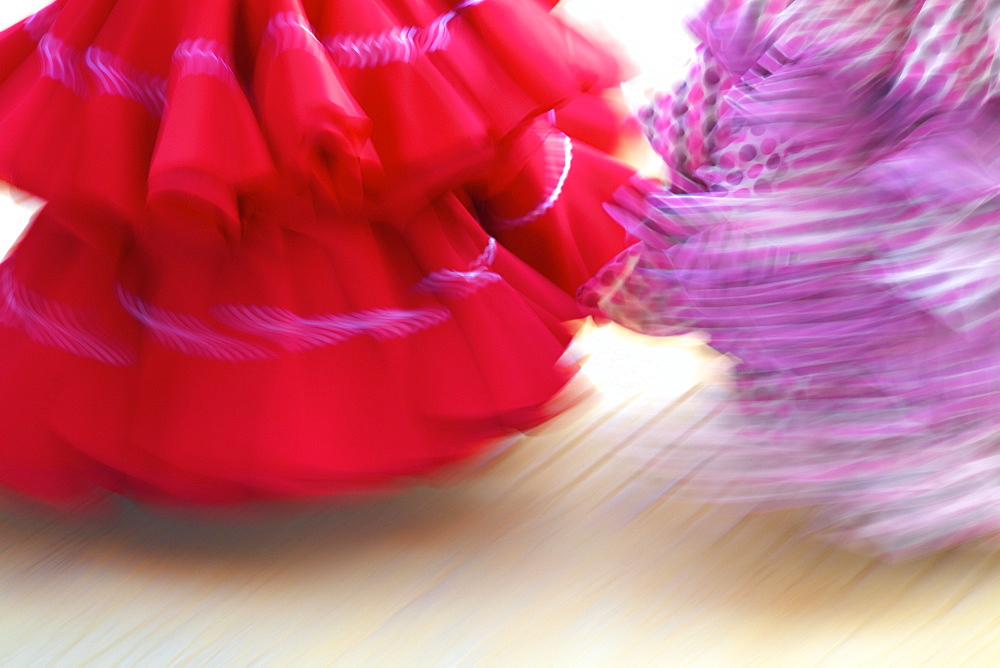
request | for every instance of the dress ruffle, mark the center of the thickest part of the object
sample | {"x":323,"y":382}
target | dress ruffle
{"x":214,"y":101}
{"x":264,"y":269}
{"x":831,"y":223}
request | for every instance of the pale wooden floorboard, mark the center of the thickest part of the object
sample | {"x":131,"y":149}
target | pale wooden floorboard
{"x":572,"y":549}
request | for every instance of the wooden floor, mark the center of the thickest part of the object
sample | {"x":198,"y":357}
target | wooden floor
{"x":574,"y":549}
{"x":571,"y":550}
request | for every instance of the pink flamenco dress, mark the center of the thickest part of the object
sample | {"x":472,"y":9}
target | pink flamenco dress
{"x":832,"y":223}
{"x":290,"y":248}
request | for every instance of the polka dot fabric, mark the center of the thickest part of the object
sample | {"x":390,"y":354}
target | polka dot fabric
{"x":830,"y":221}
{"x":932,"y":55}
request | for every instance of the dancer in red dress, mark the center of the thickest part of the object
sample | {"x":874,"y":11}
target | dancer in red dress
{"x":291,"y":248}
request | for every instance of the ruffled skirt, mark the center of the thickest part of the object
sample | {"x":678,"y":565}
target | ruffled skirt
{"x":291,"y":249}
{"x":832,"y":224}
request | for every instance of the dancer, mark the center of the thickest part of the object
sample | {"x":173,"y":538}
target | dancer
{"x":291,"y":248}
{"x":832,"y":222}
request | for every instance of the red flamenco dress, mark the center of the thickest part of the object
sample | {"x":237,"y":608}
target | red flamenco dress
{"x":291,"y":248}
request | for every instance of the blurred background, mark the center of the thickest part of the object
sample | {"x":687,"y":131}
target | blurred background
{"x":572,"y":550}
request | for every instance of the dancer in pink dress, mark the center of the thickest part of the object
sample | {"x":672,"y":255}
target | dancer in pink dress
{"x":832,"y":221}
